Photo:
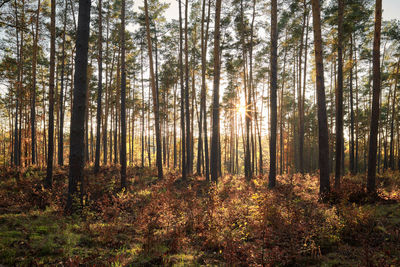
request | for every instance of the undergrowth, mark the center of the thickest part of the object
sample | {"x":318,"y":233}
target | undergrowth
{"x":193,"y":222}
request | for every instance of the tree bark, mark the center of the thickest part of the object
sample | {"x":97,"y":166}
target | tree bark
{"x":273,"y":96}
{"x":49,"y":176}
{"x":155,"y":97}
{"x":76,"y":158}
{"x":375,"y":100}
{"x":189,"y":163}
{"x":352,"y":165}
{"x":33,"y":104}
{"x":61,"y":104}
{"x":391,"y":160}
{"x":105,"y":131}
{"x":322,"y":119}
{"x":215,"y":148}
{"x":99,"y":89}
{"x":339,"y":98}
{"x":301,"y":96}
{"x":183,"y":139}
{"x":123,"y":96}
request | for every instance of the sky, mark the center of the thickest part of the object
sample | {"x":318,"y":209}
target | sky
{"x":391,"y":9}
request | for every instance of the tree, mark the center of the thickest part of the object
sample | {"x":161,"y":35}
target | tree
{"x":154,"y":95}
{"x":76,"y":156}
{"x":247,"y":91}
{"x":203,"y":110}
{"x":123,"y":96}
{"x":373,"y":136}
{"x":339,"y":97}
{"x":99,"y":89}
{"x":61,"y":104}
{"x":391,"y":161}
{"x":183,"y":139}
{"x":189,"y":162}
{"x":50,"y":154}
{"x":300,"y":95}
{"x":273,"y":97}
{"x":215,"y":148}
{"x":33,"y":98}
{"x":323,"y":141}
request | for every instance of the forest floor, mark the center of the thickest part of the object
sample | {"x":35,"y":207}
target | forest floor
{"x":180,"y":223}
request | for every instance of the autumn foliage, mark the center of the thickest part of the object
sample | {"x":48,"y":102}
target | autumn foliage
{"x":175,"y":222}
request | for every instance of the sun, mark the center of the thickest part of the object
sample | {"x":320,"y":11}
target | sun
{"x":241,"y":110}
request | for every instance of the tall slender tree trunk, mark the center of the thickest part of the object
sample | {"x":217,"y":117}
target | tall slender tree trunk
{"x":204,"y":41}
{"x":155,"y":97}
{"x":108,"y":95}
{"x":304,"y":75}
{"x":183,"y":139}
{"x":253,"y":95}
{"x":322,"y":118}
{"x":33,"y":93}
{"x":215,"y":148}
{"x":391,"y":148}
{"x":339,"y":98}
{"x":273,"y":95}
{"x":375,"y":100}
{"x":175,"y":142}
{"x":142,"y":82}
{"x":50,"y":155}
{"x":356,"y":168}
{"x":99,"y":89}
{"x":76,"y":158}
{"x":61,"y":104}
{"x":281,"y":123}
{"x":123,"y":96}
{"x":18,"y":89}
{"x":189,"y":164}
{"x":300,"y":95}
{"x":247,"y":152}
{"x":87,"y":116}
{"x":352,"y":165}
{"x":117,"y":109}
{"x":202,"y":96}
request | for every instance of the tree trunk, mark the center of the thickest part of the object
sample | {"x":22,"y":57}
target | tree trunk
{"x":356,"y":168}
{"x":375,"y":100}
{"x":301,"y":96}
{"x":215,"y":148}
{"x":305,"y":76}
{"x":352,"y":165}
{"x":189,"y":164}
{"x":204,"y":41}
{"x":391,"y":160}
{"x":108,"y":95}
{"x":123,"y":96}
{"x":33,"y":104}
{"x":322,"y":119}
{"x":281,"y":123}
{"x":142,"y":82}
{"x":49,"y":175}
{"x":155,"y":96}
{"x":183,"y":139}
{"x":17,"y":140}
{"x":175,"y":148}
{"x":61,"y":104}
{"x":79,"y":104}
{"x":247,"y":96}
{"x":339,"y":98}
{"x":273,"y":96}
{"x":99,"y":89}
